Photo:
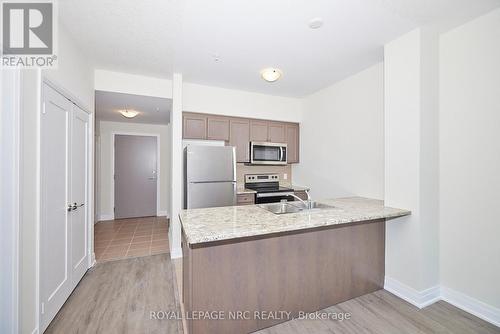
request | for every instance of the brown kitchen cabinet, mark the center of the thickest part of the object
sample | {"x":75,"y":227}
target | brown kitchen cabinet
{"x":239,"y":137}
{"x":292,"y":140}
{"x":245,"y":199}
{"x":218,"y":128}
{"x":276,"y":132}
{"x":239,"y":132}
{"x":194,"y":126}
{"x":259,"y":130}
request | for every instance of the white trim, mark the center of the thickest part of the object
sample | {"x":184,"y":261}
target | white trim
{"x":162,"y":213}
{"x":176,"y":253}
{"x":429,"y":296}
{"x":105,"y":217}
{"x":420,"y":299}
{"x":11,"y":151}
{"x":471,"y":305}
{"x":158,"y":164}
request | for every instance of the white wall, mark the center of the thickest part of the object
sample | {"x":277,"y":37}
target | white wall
{"x":132,"y":84}
{"x":104,"y":184}
{"x":342,"y":138}
{"x":75,"y":75}
{"x":411,"y":163}
{"x":470,"y":159}
{"x":222,"y":101}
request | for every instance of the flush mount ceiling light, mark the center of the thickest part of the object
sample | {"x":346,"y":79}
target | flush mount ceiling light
{"x":271,"y":74}
{"x":315,"y":23}
{"x":129,"y":113}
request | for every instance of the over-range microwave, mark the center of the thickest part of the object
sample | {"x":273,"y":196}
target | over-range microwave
{"x":264,"y":153}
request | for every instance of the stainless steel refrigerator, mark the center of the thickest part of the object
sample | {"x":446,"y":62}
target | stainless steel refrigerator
{"x":209,"y":176}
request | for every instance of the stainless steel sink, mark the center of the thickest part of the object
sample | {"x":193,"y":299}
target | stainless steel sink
{"x":280,"y":208}
{"x":313,"y":205}
{"x":293,"y":207}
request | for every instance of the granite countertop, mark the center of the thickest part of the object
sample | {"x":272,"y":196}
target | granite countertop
{"x":233,"y":222}
{"x":240,"y":189}
{"x":296,"y":188}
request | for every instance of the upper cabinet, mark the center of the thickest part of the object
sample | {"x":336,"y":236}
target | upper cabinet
{"x":194,"y":126}
{"x":292,"y":140}
{"x":240,"y":138}
{"x":277,"y":132}
{"x":218,"y":128}
{"x":259,"y":130}
{"x":239,"y":132}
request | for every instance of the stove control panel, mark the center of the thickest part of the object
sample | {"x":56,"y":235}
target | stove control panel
{"x":257,"y":178}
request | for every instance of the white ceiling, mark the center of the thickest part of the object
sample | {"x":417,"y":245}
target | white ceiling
{"x":152,"y":110}
{"x":157,"y":37}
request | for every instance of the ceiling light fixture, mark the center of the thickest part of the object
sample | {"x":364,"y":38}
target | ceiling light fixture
{"x":316,"y":23}
{"x":271,"y":74}
{"x":129,"y":113}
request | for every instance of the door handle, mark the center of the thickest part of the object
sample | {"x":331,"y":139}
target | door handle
{"x":74,"y":206}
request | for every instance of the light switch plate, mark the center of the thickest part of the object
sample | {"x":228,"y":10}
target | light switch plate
{"x":285,"y":176}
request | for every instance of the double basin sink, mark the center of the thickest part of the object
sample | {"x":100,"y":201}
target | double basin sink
{"x":294,"y":207}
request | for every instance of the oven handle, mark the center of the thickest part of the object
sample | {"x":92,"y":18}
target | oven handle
{"x":274,"y":194}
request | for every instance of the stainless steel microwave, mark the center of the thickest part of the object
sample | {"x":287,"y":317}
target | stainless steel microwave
{"x":264,"y":153}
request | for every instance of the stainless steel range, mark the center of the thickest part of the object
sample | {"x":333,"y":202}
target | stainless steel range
{"x":268,"y":188}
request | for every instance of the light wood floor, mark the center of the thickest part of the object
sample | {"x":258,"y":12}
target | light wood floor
{"x":117,"y":297}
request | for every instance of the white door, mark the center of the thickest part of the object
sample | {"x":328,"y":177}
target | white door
{"x":55,"y":279}
{"x":78,"y":193}
{"x":64,"y":201}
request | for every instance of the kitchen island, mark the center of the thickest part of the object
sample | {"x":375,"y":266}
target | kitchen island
{"x":243,"y":263}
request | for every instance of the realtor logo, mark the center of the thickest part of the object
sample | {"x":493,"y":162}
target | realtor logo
{"x":28,"y":34}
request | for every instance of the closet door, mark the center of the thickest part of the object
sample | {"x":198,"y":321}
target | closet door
{"x":78,"y":193}
{"x":55,"y":278}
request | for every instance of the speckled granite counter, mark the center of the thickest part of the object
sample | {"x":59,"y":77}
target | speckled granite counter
{"x":240,"y":189}
{"x":225,"y":223}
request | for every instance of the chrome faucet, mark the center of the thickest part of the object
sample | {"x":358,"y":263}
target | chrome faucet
{"x":306,"y":203}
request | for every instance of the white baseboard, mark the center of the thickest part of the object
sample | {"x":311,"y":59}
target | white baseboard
{"x":176,"y":253}
{"x":471,"y":305}
{"x":420,"y":299}
{"x":106,"y":217}
{"x":162,"y":214}
{"x":429,"y":296}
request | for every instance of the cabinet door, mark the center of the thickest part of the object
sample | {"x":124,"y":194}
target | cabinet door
{"x":194,"y":126}
{"x":259,"y":130}
{"x":292,"y":140}
{"x":277,"y":132}
{"x":240,"y":138}
{"x":217,"y":128}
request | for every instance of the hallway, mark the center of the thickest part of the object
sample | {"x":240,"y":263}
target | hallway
{"x":132,"y":237}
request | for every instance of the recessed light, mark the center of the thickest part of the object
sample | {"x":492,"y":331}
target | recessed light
{"x":129,"y":113}
{"x":271,"y":74}
{"x":315,"y":23}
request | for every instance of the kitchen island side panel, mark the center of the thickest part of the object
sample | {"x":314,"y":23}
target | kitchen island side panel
{"x":294,"y":272}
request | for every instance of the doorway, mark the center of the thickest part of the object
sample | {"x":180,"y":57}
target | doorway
{"x":135,"y":176}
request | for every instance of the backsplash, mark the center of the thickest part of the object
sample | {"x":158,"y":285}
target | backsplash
{"x":242,"y":169}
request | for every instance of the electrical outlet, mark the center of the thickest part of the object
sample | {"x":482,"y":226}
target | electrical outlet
{"x":285,"y":176}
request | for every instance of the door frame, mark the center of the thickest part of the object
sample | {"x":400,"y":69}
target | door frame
{"x":90,"y":186}
{"x":11,"y":215}
{"x":158,"y":165}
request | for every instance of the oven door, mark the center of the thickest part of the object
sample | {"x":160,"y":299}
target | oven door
{"x":261,"y":198}
{"x":263,"y":153}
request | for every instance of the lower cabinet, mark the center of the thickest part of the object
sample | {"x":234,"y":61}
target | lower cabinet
{"x":245,"y":199}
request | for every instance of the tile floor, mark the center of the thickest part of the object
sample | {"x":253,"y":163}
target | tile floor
{"x":132,"y":237}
